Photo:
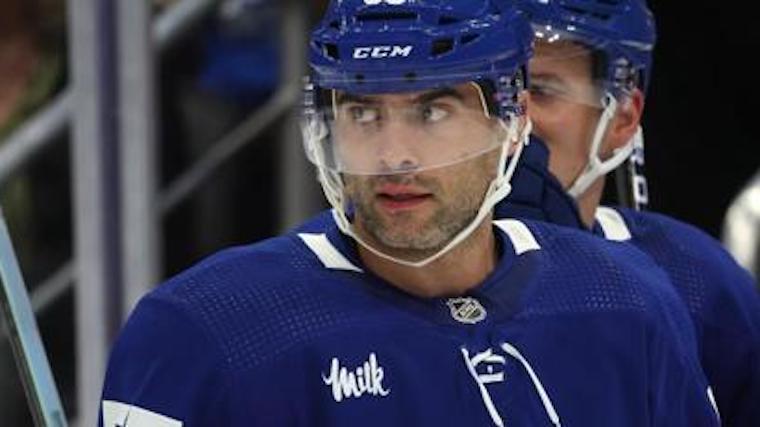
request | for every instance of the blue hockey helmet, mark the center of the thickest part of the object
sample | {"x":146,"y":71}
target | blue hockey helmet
{"x":623,"y":30}
{"x":384,"y":46}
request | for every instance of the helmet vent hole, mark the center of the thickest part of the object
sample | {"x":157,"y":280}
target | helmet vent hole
{"x":442,"y":46}
{"x":331,"y":50}
{"x":448,"y":20}
{"x":387,"y":16}
{"x":359,"y":78}
{"x":469,"y":38}
{"x":410,"y":77}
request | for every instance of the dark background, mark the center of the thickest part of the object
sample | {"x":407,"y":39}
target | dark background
{"x":700,"y":120}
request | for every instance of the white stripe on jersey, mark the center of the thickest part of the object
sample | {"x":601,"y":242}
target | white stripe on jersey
{"x":117,"y":414}
{"x":327,"y":253}
{"x":520,"y":235}
{"x":612,"y":224}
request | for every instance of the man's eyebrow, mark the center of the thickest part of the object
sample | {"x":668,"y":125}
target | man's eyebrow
{"x":547,"y":78}
{"x":344,"y":97}
{"x":438,"y":93}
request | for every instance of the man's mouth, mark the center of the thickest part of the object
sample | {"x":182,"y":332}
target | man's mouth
{"x":396,"y":198}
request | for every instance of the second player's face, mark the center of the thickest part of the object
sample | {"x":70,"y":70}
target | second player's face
{"x":564,"y":106}
{"x":426,"y":184}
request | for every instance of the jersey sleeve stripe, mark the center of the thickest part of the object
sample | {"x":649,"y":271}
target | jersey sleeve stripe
{"x":520,"y":235}
{"x":612,"y":224}
{"x":118,"y":414}
{"x":327,"y":253}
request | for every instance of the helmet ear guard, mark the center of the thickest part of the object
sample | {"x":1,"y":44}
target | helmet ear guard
{"x":631,"y":183}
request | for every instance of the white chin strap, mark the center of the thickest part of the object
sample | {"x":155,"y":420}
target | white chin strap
{"x":597,"y":167}
{"x":500,"y":187}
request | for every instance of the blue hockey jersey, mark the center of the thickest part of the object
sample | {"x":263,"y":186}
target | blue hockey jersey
{"x":720,"y":296}
{"x":568,"y":330}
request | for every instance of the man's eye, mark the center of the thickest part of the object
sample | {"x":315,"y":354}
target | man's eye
{"x":432,"y":113}
{"x":547,"y":92}
{"x":541,"y":90}
{"x":361,"y":114}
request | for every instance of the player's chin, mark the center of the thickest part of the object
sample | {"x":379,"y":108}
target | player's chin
{"x":412,"y":240}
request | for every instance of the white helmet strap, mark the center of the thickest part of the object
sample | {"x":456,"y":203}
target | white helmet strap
{"x":500,"y":187}
{"x":596,"y":167}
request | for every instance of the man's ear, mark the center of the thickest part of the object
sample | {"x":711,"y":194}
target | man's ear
{"x":626,"y":121}
{"x":524,"y":101}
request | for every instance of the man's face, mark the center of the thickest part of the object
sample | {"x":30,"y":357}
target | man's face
{"x":417,"y":165}
{"x":565,"y":106}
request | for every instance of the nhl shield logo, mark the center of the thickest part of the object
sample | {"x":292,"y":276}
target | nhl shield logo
{"x":466,"y":310}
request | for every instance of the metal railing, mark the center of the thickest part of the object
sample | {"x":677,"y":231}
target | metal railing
{"x":41,"y":391}
{"x":118,"y":206}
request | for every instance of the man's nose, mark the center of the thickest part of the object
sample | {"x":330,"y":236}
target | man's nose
{"x":398,"y":150}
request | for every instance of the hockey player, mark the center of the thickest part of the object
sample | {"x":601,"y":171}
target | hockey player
{"x":588,"y":79}
{"x":405,"y":305}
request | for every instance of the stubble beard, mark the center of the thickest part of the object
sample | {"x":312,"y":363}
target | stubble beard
{"x":413,"y":234}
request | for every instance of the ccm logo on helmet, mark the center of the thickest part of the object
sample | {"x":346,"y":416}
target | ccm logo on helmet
{"x":391,"y":2}
{"x":378,"y":52}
